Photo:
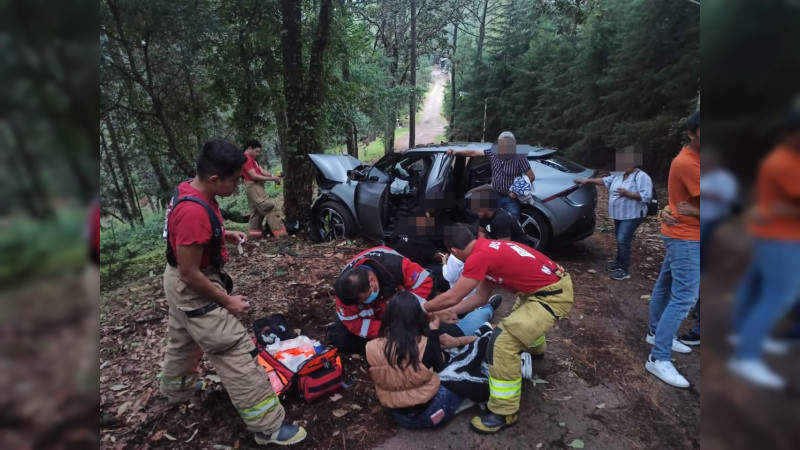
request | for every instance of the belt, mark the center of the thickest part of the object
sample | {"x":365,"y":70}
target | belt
{"x":201,"y":311}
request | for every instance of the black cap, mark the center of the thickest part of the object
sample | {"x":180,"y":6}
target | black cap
{"x":693,"y":122}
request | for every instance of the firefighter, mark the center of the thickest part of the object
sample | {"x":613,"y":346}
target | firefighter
{"x":202,"y":313}
{"x":544,"y":295}
{"x":364,"y":287}
{"x":260,"y":205}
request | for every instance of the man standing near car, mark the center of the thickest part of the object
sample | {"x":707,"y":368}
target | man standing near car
{"x":507,"y":165}
{"x":678,"y":284}
{"x":257,"y":198}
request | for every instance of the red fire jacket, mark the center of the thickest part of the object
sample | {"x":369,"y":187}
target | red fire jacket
{"x":395,"y":273}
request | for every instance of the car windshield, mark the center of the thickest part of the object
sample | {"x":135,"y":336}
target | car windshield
{"x":560,"y":163}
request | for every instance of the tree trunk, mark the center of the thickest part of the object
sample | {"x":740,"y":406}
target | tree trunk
{"x":453,"y":83}
{"x":136,"y":212}
{"x":482,"y":31}
{"x":303,"y":103}
{"x":126,"y":213}
{"x":348,"y":124}
{"x":37,"y":203}
{"x":183,"y":164}
{"x":412,"y":106}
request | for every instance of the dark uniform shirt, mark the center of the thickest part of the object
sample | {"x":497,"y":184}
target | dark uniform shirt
{"x":503,"y":225}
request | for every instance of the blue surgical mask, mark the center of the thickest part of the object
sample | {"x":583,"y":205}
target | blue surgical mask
{"x":371,"y":297}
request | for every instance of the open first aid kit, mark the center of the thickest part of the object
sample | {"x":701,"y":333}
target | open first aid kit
{"x":301,"y":363}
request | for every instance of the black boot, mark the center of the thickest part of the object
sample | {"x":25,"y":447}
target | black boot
{"x":490,"y":423}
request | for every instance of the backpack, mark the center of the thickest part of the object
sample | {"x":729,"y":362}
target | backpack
{"x":216,"y":237}
{"x":216,"y":230}
{"x":652,"y":205}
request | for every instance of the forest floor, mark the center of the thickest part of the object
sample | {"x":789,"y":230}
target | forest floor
{"x":591,"y":386}
{"x":430,"y":122}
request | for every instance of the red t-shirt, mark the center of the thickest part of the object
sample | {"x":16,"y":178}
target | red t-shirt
{"x":515,"y":267}
{"x":189,"y":224}
{"x":251,"y":164}
{"x":94,"y":230}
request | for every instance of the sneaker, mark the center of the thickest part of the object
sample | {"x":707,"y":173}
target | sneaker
{"x":526,"y":364}
{"x":287,"y":434}
{"x":491,"y":423}
{"x":756,"y":372}
{"x":465,"y":405}
{"x":676,"y":345}
{"x":613,"y":267}
{"x":771,"y":346}
{"x":666,"y":372}
{"x":620,"y":275}
{"x":495,"y":301}
{"x":690,"y":338}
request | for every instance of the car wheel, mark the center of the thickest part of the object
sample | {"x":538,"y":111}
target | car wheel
{"x":536,"y":228}
{"x":332,"y":221}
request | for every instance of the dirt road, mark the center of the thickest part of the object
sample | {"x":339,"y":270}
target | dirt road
{"x":431,"y":123}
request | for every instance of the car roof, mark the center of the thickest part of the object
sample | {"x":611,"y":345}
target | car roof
{"x":522,"y":149}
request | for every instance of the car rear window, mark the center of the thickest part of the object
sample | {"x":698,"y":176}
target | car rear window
{"x":560,"y":163}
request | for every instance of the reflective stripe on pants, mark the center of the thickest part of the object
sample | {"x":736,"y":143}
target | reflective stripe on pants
{"x":505,"y":388}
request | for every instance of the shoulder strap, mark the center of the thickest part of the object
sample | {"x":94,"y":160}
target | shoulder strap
{"x":216,"y":232}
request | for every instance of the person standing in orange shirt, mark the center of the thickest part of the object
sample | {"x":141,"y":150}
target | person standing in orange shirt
{"x":771,"y":286}
{"x":678,"y":285}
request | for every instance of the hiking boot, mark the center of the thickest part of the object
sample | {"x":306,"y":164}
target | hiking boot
{"x":676,"y":345}
{"x":756,"y":372}
{"x":690,"y":338}
{"x":666,"y":372}
{"x":495,"y":301}
{"x":613,"y":267}
{"x":620,"y":274}
{"x":490,"y":423}
{"x":287,"y":434}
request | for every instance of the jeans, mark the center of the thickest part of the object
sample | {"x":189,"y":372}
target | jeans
{"x":623,"y":232}
{"x":675,"y":292}
{"x":472,"y":321}
{"x":511,"y":205}
{"x":706,"y":233}
{"x":445,"y":400}
{"x":768,"y":291}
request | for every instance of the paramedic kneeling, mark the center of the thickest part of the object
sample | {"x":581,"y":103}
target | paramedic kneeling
{"x":201,"y":309}
{"x":544,"y":295}
{"x":363,"y":289}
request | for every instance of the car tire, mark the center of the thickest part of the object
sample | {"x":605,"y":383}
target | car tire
{"x":536,"y":228}
{"x":344,"y":226}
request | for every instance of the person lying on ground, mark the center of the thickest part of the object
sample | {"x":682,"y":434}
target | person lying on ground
{"x":405,"y":361}
{"x":202,"y":311}
{"x":363,"y":289}
{"x":544,"y":295}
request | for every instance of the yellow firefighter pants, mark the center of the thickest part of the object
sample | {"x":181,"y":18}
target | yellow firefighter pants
{"x":261,"y":207}
{"x":226,"y":344}
{"x":522,"y":329}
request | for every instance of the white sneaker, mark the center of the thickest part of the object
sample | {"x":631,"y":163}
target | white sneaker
{"x":756,"y":372}
{"x":677,"y":346}
{"x":771,"y":346}
{"x":465,"y":405}
{"x":666,"y":372}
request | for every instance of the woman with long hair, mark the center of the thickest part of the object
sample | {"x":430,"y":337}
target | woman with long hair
{"x":404,"y":363}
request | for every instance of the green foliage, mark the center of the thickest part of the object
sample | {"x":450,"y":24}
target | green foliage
{"x":32,"y":249}
{"x":586,"y":78}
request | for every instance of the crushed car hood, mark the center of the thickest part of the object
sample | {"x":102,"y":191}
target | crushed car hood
{"x":335,"y":167}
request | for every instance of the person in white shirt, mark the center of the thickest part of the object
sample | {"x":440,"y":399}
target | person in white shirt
{"x":630,"y":189}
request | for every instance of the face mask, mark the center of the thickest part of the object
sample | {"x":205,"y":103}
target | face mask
{"x":371,"y":297}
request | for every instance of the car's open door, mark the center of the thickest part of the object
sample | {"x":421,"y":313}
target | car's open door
{"x":371,"y":202}
{"x":439,"y":192}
